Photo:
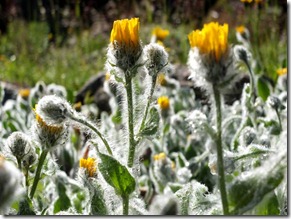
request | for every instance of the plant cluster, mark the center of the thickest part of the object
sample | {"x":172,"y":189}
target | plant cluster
{"x":162,"y":150}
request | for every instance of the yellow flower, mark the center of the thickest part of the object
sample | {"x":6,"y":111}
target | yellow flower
{"x":211,"y":40}
{"x":50,"y":129}
{"x":126,"y":32}
{"x":77,"y":106}
{"x":248,"y":1}
{"x":160,"y":156}
{"x":24,"y":93}
{"x":107,"y":76}
{"x":162,"y":79}
{"x":90,"y":165}
{"x":164,"y":102}
{"x":282,"y":71}
{"x":160,"y":33}
{"x":241,"y":29}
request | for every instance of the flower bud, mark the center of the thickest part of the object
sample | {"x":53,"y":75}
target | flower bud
{"x":248,"y":136}
{"x":53,"y":110}
{"x":19,"y":144}
{"x":274,"y":102}
{"x":156,"y":57}
{"x":241,"y":53}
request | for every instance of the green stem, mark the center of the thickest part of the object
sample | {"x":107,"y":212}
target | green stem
{"x":220,"y":163}
{"x":125,"y":204}
{"x":131,"y":152}
{"x":148,"y":103}
{"x":93,"y":128}
{"x":279,"y":118}
{"x":19,"y":163}
{"x":26,"y":179}
{"x":38,"y":172}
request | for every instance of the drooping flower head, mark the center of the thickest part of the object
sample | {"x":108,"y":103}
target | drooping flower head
{"x":212,"y":40}
{"x":90,"y":166}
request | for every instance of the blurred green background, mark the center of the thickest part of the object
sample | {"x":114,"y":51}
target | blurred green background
{"x":76,"y":50}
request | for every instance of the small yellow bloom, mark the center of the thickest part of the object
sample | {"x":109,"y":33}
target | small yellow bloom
{"x":160,"y":156}
{"x":173,"y":165}
{"x":164,"y":102}
{"x":248,"y":1}
{"x":162,"y":79}
{"x":160,"y":33}
{"x":211,"y":40}
{"x":282,"y":71}
{"x":241,"y":29}
{"x":24,"y":93}
{"x":107,"y":76}
{"x":51,"y":129}
{"x":90,"y":165}
{"x":126,"y":32}
{"x":77,"y":106}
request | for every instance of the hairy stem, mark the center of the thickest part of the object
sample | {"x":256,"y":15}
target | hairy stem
{"x":148,"y":103}
{"x":38,"y":172}
{"x":220,"y":163}
{"x":93,"y":128}
{"x":131,"y":152}
{"x":125,"y":204}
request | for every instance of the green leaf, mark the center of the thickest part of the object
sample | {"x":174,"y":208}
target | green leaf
{"x":249,"y":189}
{"x":116,"y":175}
{"x":152,"y":124}
{"x":63,"y":202}
{"x":263,"y":88}
{"x":268,"y":206}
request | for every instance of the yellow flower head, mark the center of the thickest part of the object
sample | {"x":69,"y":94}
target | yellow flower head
{"x":241,"y":29}
{"x":282,"y":71}
{"x":90,"y":165}
{"x":51,"y":129}
{"x":248,"y":1}
{"x":160,"y":156}
{"x":211,"y":40}
{"x":126,"y":32}
{"x":107,"y":76}
{"x":77,"y":106}
{"x":24,"y":93}
{"x":164,"y":102}
{"x":160,"y":33}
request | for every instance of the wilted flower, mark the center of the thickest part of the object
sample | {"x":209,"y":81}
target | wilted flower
{"x":90,"y":166}
{"x":164,"y":102}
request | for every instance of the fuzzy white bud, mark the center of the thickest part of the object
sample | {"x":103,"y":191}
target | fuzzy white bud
{"x":19,"y":144}
{"x":156,"y":58}
{"x":53,"y":110}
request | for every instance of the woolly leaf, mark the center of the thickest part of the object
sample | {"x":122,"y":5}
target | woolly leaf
{"x":116,"y":175}
{"x":152,"y":124}
{"x":263,"y":89}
